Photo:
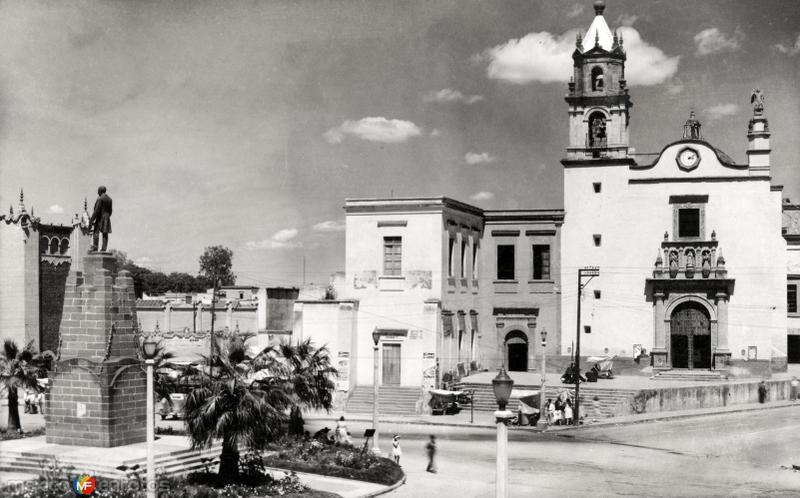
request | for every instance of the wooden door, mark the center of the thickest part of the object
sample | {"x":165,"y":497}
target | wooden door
{"x":391,"y":364}
{"x":690,"y":337}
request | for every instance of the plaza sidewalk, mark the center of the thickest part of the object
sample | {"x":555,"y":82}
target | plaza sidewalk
{"x":485,"y":420}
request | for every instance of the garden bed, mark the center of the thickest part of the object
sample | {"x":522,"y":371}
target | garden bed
{"x":202,"y":485}
{"x":313,"y":456}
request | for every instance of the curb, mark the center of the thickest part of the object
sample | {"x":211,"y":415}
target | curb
{"x":677,"y":416}
{"x":386,"y":489}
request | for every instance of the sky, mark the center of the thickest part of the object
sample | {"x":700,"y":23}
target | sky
{"x":248,"y":123}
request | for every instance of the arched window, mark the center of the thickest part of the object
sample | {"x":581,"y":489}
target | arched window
{"x":597,"y":130}
{"x":44,"y":243}
{"x":64,"y":246}
{"x":54,"y":245}
{"x":597,"y":79}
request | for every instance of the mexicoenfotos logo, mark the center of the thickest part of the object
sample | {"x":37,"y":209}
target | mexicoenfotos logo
{"x":83,"y":485}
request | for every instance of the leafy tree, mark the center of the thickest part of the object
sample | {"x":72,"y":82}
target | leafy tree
{"x":244,"y":398}
{"x":19,"y":369}
{"x":156,"y":283}
{"x":216,"y":263}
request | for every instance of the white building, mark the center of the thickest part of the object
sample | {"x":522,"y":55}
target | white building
{"x":657,"y":229}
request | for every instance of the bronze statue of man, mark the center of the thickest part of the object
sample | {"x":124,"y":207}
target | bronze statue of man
{"x":101,"y":218}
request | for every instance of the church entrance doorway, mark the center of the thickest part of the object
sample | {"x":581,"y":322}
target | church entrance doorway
{"x":690,"y":336}
{"x":517,"y":351}
{"x":793,"y":348}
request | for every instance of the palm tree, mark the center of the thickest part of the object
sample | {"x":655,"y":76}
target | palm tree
{"x":18,"y":369}
{"x":234,"y":404}
{"x":309,"y":375}
{"x":244,"y":398}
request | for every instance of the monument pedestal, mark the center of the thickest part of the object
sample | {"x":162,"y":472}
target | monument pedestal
{"x":97,"y":396}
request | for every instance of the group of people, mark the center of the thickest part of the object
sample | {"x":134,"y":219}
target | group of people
{"x":34,"y":401}
{"x":572,"y":375}
{"x":559,"y":412}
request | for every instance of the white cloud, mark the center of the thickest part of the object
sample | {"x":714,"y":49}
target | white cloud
{"x":675,"y":87}
{"x":143,"y":261}
{"x":790,"y":51}
{"x":478,"y":158}
{"x":449,"y":95}
{"x":435,"y":132}
{"x":328,"y":226}
{"x":712,"y":40}
{"x":55,"y":209}
{"x":285,"y":235}
{"x":722,"y":110}
{"x":482,"y":196}
{"x":374,"y":129}
{"x":575,"y":10}
{"x":627,"y":20}
{"x":279,"y":240}
{"x":547,"y":58}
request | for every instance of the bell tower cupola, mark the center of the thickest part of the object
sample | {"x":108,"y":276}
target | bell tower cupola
{"x":599,"y":104}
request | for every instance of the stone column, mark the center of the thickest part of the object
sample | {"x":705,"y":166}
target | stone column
{"x":532,"y":348}
{"x":659,"y":351}
{"x":722,"y":354}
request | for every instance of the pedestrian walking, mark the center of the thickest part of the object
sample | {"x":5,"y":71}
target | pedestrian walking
{"x":762,"y":392}
{"x":431,"y":449}
{"x":795,"y":384}
{"x":396,"y":450}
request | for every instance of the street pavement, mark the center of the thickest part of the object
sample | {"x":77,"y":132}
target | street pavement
{"x":741,"y":453}
{"x":745,"y":450}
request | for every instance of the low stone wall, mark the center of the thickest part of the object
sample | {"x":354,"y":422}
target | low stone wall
{"x":710,"y":396}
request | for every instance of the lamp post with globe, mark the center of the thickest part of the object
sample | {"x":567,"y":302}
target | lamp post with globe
{"x":149,"y":348}
{"x":502,"y":385}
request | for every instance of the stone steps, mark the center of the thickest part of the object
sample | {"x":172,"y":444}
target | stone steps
{"x":696,"y":375}
{"x":392,"y":400}
{"x":612,"y":401}
{"x":173,"y":463}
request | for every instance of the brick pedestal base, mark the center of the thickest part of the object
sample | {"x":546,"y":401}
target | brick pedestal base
{"x":98,"y":390}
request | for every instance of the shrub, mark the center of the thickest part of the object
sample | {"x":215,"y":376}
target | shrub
{"x":312,"y":456}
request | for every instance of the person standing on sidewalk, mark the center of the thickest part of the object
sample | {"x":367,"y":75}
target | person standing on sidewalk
{"x":396,"y":450}
{"x":762,"y":392}
{"x":431,"y":449}
{"x":795,"y":384}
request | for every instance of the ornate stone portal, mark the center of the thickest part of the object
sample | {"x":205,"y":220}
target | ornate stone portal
{"x":690,"y":306}
{"x":99,"y":387}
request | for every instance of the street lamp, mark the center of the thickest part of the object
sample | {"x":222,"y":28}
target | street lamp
{"x":542,"y":414}
{"x":376,"y":337}
{"x":501,"y":385}
{"x":149,"y":350}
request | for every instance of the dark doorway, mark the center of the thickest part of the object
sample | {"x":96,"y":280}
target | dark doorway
{"x":518,"y":357}
{"x":690,"y":336}
{"x":391,"y":364}
{"x":793,"y":348}
{"x":517,"y":351}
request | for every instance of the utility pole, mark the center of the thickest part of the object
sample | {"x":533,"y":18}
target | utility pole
{"x":211,"y":335}
{"x":591,"y":272}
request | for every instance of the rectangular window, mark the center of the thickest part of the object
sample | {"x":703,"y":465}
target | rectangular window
{"x":505,"y":262}
{"x":450,"y":248}
{"x":597,"y":294}
{"x":463,"y":259}
{"x":597,"y":239}
{"x":541,"y":262}
{"x":475,"y":260}
{"x":392,"y":255}
{"x":597,"y":187}
{"x":688,"y":222}
{"x":791,"y":298}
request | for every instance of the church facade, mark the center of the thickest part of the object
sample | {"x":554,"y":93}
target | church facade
{"x":692,"y":264}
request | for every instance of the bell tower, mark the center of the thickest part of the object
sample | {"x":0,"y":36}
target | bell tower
{"x":599,"y":104}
